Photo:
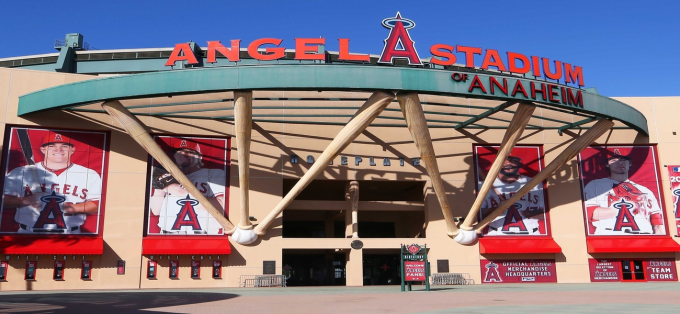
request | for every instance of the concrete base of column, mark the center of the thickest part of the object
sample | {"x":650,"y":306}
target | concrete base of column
{"x":355,"y":268}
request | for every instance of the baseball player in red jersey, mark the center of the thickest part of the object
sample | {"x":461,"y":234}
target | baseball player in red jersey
{"x":55,"y":195}
{"x":617,"y":206}
{"x":522,"y":218}
{"x":178,"y":211}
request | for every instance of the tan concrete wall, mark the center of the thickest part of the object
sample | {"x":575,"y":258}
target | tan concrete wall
{"x":272,"y":145}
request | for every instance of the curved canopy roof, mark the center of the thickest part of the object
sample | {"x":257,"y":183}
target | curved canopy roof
{"x":206,"y":93}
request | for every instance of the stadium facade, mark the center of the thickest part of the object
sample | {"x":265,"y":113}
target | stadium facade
{"x":210,"y":164}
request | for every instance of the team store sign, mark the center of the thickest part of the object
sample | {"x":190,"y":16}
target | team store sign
{"x":397,"y":45}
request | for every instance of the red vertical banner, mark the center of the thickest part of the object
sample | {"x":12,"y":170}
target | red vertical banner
{"x":602,"y":270}
{"x":674,"y":176}
{"x":415,"y":271}
{"x":172,"y":210}
{"x":621,"y":191}
{"x":526,"y":217}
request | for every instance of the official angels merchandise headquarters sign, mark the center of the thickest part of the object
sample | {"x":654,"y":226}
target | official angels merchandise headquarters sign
{"x":518,"y":271}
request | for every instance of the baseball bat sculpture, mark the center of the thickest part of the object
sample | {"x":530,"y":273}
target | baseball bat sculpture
{"x":417,"y":126}
{"x":354,"y":203}
{"x":602,"y":126}
{"x":467,"y":235}
{"x":359,"y":122}
{"x":141,"y":135}
{"x":243,"y":116}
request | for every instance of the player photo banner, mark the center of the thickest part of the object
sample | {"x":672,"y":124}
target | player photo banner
{"x":621,"y":191}
{"x":518,"y":271}
{"x":172,"y":210}
{"x":526,"y":217}
{"x":674,"y":176}
{"x":54,"y":182}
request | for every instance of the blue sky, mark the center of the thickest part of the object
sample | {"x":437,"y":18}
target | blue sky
{"x":626,"y":48}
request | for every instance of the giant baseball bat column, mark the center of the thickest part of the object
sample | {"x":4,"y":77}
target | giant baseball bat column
{"x":359,"y":122}
{"x":140,"y":134}
{"x":601,"y":127}
{"x":417,"y":125}
{"x":519,"y":121}
{"x":243,"y":116}
{"x":354,"y":202}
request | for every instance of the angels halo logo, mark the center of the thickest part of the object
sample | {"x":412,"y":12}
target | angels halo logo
{"x":413,"y":249}
{"x":398,"y":43}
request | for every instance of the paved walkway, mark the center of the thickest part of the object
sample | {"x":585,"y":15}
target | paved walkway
{"x":506,"y":298}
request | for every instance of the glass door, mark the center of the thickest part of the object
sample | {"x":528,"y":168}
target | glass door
{"x":632,"y":270}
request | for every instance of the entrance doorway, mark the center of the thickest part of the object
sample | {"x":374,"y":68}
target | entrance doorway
{"x":381,"y":268}
{"x":632,"y":270}
{"x":314,"y":268}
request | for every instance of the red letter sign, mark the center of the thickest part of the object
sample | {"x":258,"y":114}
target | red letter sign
{"x":231,"y":53}
{"x":182,"y":52}
{"x":272,"y":53}
{"x":301,"y":48}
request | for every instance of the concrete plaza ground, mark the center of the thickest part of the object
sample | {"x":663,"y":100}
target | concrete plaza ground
{"x":503,"y":298}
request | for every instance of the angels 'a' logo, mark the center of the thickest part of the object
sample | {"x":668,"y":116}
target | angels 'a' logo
{"x":398,"y":43}
{"x":183,"y":143}
{"x":57,"y":137}
{"x":625,"y":219}
{"x":51,"y":213}
{"x":514,"y":219}
{"x":492,"y":274}
{"x":187,"y":215}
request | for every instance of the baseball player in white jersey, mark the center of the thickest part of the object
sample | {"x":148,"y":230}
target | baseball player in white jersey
{"x":522,"y":218}
{"x":617,"y":206}
{"x":178,"y":211}
{"x":55,"y":195}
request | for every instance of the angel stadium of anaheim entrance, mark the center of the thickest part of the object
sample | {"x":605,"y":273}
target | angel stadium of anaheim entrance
{"x":269,"y":163}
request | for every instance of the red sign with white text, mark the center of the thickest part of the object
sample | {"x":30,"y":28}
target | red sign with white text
{"x":660,"y":270}
{"x":602,"y":270}
{"x":674,"y":176}
{"x":415,"y":271}
{"x":518,"y":271}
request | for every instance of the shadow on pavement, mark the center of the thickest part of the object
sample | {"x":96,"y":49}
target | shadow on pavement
{"x":100,"y":303}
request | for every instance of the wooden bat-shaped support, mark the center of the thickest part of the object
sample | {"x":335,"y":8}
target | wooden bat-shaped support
{"x":140,"y":134}
{"x":519,"y":121}
{"x":415,"y":120}
{"x":354,"y":203}
{"x":602,"y":126}
{"x":361,"y":120}
{"x":243,"y":116}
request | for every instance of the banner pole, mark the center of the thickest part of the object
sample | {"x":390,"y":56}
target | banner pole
{"x":401,"y":264}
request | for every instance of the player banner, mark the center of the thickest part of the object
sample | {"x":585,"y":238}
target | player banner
{"x":518,"y":271}
{"x":621,"y":191}
{"x":674,"y":176}
{"x":54,"y":181}
{"x":172,"y":210}
{"x":528,"y":215}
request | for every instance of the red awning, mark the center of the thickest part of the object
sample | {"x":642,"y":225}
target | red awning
{"x":51,"y":245}
{"x":186,"y":245}
{"x":631,"y":244}
{"x":516,"y":245}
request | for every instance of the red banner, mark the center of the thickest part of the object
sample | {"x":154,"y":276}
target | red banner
{"x":674,"y":176}
{"x":621,"y":191}
{"x":528,"y":215}
{"x":604,"y":270}
{"x":415,"y":271}
{"x":518,"y":271}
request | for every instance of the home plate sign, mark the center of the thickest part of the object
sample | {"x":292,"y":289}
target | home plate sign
{"x":414,"y":266}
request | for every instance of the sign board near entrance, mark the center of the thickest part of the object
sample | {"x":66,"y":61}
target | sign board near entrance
{"x":518,"y":271}
{"x":609,"y":270}
{"x":415,"y":271}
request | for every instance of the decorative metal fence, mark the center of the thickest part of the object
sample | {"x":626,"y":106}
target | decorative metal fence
{"x":257,"y":281}
{"x":452,"y":279}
